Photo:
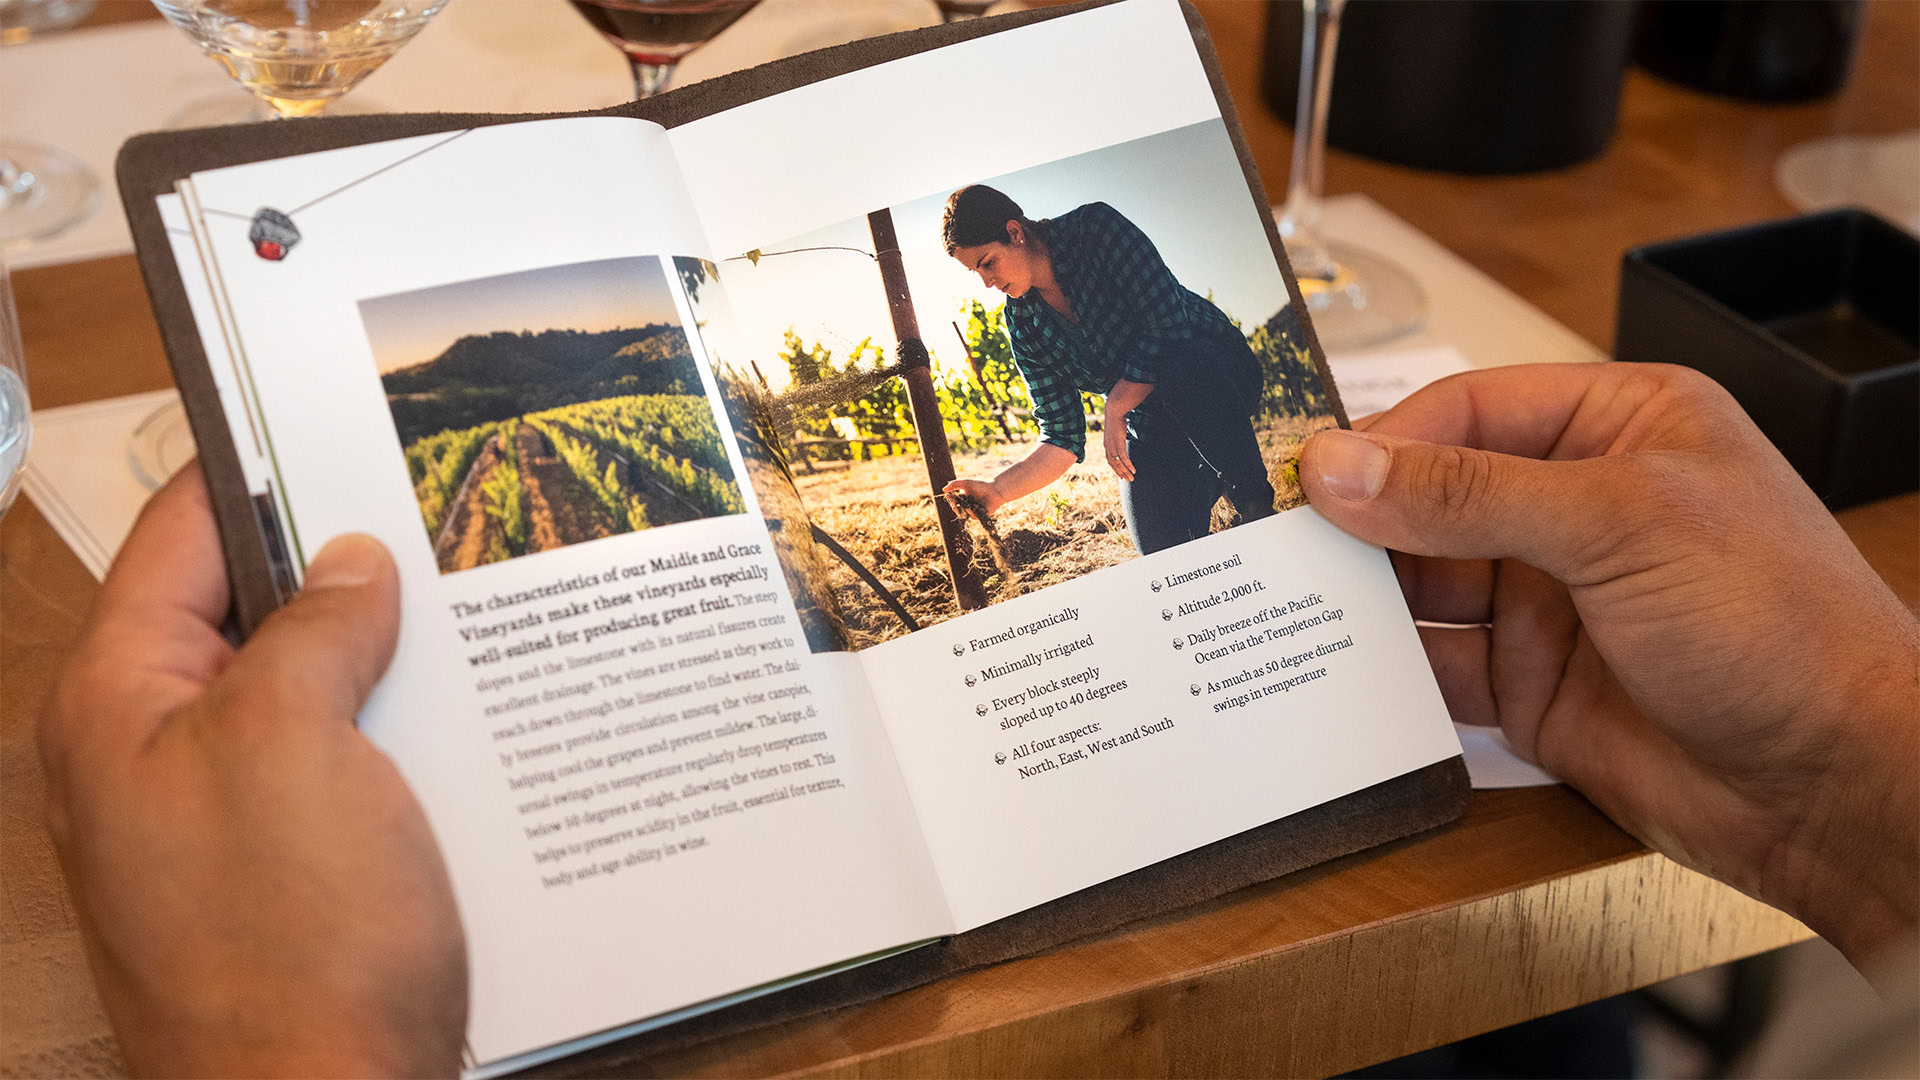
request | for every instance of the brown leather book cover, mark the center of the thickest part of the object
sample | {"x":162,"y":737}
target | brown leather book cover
{"x":149,"y":166}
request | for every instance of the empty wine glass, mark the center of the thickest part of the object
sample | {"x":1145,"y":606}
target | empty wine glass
{"x":296,"y":57}
{"x":655,"y":35}
{"x":42,"y":190}
{"x":1355,"y":298}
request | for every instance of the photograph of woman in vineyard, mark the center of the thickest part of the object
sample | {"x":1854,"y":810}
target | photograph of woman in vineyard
{"x":548,"y":407}
{"x":1091,"y":308}
{"x":1167,"y":214}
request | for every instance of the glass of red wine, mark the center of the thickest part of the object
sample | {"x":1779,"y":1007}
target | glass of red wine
{"x":961,"y":10}
{"x":655,"y":35}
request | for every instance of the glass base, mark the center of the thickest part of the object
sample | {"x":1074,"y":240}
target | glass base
{"x":1363,"y":300}
{"x":43,"y":191}
{"x":23,"y":20}
{"x":1877,"y":172}
{"x":160,"y":446}
{"x":240,"y":107}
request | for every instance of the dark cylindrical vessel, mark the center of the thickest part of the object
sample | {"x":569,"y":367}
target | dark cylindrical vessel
{"x":1469,"y":86}
{"x":1762,"y":50}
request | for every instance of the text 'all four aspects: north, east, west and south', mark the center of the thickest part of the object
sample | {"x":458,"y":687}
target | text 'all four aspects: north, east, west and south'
{"x":1043,"y":684}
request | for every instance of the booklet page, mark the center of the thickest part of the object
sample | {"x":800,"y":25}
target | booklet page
{"x":1138,"y":639}
{"x":654,"y":780}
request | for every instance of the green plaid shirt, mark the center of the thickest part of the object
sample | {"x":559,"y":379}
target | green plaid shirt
{"x":1131,"y":314}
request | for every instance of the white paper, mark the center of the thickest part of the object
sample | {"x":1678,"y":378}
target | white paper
{"x":1203,"y":740}
{"x":1375,"y":382}
{"x":78,"y":472}
{"x":766,"y":176}
{"x":1491,"y":762}
{"x":786,"y":888}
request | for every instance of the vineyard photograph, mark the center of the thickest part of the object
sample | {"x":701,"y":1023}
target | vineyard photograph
{"x":878,"y":372}
{"x":547,"y":408}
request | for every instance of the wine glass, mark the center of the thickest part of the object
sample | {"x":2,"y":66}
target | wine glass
{"x":24,"y":20}
{"x":655,"y":35}
{"x":43,"y":190}
{"x":961,"y":10}
{"x":1355,"y":298}
{"x":296,"y":57}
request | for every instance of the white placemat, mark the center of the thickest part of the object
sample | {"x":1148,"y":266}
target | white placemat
{"x":80,"y":472}
{"x":1466,"y":309}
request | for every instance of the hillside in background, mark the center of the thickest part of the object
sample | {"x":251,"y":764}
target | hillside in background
{"x":483,"y":378}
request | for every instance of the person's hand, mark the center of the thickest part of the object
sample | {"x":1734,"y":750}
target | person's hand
{"x":256,"y":885}
{"x":1113,"y":439}
{"x":984,"y":493}
{"x":1672,"y":623}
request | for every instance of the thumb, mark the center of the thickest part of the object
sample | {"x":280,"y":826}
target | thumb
{"x":1457,"y":502}
{"x":324,"y":651}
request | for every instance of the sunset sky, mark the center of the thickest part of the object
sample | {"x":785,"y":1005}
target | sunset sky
{"x":413,"y":327}
{"x":1183,"y":188}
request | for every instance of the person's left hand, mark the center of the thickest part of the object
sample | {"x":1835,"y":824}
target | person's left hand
{"x":257,"y":886}
{"x":1113,"y":438}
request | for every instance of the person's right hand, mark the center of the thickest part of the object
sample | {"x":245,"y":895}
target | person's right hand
{"x":983,"y":491}
{"x":1672,"y":623}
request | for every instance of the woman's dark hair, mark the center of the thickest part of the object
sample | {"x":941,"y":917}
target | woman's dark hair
{"x":978,"y":214}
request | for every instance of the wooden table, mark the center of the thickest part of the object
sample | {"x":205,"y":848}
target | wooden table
{"x":1532,"y":904}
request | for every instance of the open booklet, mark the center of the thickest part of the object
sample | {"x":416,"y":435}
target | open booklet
{"x":703,"y":686}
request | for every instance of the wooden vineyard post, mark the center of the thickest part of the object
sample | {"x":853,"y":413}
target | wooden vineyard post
{"x":928,"y":426}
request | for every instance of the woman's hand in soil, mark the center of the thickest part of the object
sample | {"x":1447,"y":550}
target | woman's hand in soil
{"x":258,"y":889}
{"x":1045,"y":464}
{"x":981,"y":493}
{"x":1666,"y":617}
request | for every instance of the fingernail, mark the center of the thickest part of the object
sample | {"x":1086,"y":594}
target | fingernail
{"x":1352,"y":467}
{"x":346,"y":562}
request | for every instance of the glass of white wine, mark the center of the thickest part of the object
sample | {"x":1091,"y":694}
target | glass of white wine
{"x":296,"y":57}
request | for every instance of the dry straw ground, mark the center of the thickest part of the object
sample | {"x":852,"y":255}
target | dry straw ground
{"x":882,"y":512}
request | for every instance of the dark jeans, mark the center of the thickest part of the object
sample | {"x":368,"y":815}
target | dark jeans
{"x":1192,"y":441}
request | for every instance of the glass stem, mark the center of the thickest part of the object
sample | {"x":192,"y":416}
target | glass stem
{"x":1300,"y":217}
{"x":649,"y":79}
{"x":15,"y":182}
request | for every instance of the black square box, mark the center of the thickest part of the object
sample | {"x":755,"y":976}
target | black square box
{"x":1812,"y":323}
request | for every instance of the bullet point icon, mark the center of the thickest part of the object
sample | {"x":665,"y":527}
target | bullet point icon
{"x":1155,"y":586}
{"x":981,"y":710}
{"x":999,"y":758}
{"x":1177,"y":644}
{"x":970,"y":680}
{"x":959,"y":650}
{"x":1194,"y":689}
{"x":1166,"y":615}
